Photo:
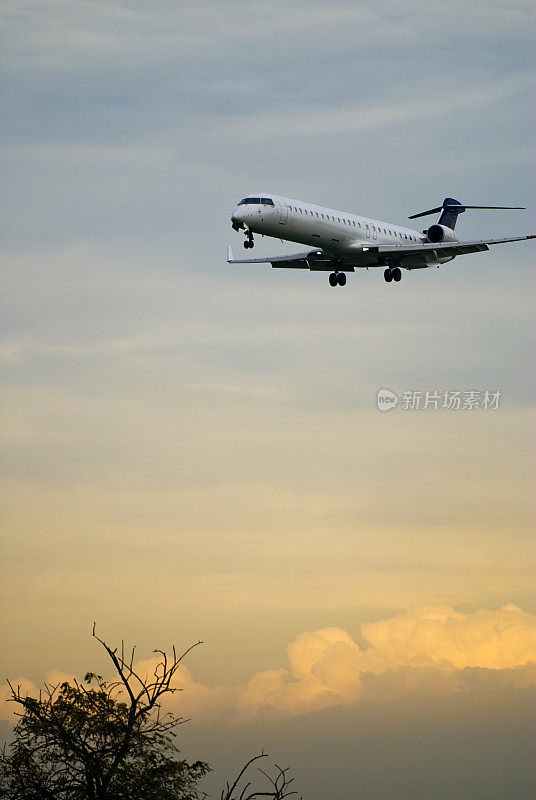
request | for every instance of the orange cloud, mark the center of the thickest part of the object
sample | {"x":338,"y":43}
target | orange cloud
{"x":191,"y":698}
{"x":327,"y":667}
{"x":438,"y":635}
{"x":428,"y":648}
{"x":8,"y":710}
{"x":323,"y":671}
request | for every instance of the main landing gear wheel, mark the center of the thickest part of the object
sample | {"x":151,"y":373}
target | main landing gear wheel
{"x":337,"y":279}
{"x":396,"y":274}
{"x":388,"y":275}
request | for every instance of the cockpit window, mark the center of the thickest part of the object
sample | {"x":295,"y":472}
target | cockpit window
{"x":250,"y":201}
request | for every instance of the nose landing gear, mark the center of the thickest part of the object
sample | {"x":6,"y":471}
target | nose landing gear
{"x":337,"y":279}
{"x":249,"y":240}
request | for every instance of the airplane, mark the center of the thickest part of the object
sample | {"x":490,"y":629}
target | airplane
{"x":342,"y":242}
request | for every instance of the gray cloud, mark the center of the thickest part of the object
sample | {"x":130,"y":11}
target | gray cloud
{"x":474,"y":746}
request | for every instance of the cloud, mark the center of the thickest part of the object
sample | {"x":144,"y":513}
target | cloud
{"x":323,"y":671}
{"x":439,"y":636}
{"x":354,"y":118}
{"x":10,"y":710}
{"x":120,"y":33}
{"x":427,"y":649}
{"x":424,"y":646}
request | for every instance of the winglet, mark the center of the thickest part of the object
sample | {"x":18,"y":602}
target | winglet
{"x":230,"y":256}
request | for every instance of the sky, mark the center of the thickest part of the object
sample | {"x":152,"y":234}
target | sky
{"x":192,"y":450}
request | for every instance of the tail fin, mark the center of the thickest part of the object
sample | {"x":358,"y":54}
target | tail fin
{"x":449,"y":215}
{"x":451,"y":208}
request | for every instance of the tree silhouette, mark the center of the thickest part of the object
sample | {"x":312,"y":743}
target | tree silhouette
{"x":100,"y":740}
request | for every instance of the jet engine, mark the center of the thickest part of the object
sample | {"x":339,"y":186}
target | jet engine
{"x":440,"y":233}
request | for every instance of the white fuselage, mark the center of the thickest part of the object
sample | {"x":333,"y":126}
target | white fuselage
{"x":337,"y":232}
{"x":340,"y":242}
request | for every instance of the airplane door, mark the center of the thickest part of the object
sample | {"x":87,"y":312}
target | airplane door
{"x":374,"y":234}
{"x":283,"y":212}
{"x":367,"y":230}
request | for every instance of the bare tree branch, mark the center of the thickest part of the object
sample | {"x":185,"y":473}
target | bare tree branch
{"x":278,"y":786}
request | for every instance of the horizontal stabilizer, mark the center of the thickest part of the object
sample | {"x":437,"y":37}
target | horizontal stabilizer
{"x":462,"y":207}
{"x":426,"y":213}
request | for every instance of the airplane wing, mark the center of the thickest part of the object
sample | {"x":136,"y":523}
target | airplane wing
{"x":365,"y":255}
{"x":309,"y":259}
{"x":443,"y":248}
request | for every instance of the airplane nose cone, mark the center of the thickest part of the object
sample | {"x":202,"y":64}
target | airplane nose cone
{"x":237,"y":217}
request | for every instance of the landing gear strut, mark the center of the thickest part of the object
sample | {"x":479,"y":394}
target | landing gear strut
{"x":249,"y":240}
{"x":337,"y":279}
{"x":392,"y":274}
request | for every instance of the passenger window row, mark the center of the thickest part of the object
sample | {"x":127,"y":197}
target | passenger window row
{"x":351,"y":222}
